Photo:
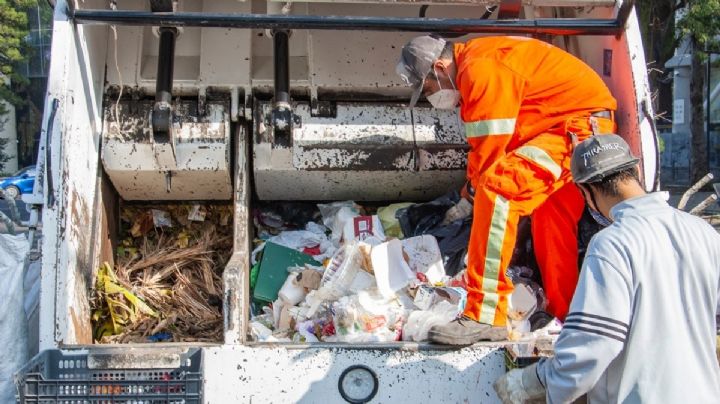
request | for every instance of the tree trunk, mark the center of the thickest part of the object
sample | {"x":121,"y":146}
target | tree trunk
{"x":699,"y":165}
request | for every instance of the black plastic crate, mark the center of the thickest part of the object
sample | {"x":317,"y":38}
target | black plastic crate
{"x":58,"y":377}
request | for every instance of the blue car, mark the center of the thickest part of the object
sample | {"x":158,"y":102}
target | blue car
{"x":20,"y":183}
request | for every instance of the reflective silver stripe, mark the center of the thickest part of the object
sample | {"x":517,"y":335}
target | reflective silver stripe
{"x":490,"y":301}
{"x":490,"y":127}
{"x":541,"y":158}
{"x":493,"y":256}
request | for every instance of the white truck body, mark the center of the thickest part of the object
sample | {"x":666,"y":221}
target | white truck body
{"x":84,"y":169}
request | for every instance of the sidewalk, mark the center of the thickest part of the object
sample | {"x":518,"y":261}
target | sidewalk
{"x":711,"y":213}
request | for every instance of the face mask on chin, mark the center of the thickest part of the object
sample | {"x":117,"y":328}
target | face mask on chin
{"x":444,"y":98}
{"x":602,"y":220}
{"x":596,"y":215}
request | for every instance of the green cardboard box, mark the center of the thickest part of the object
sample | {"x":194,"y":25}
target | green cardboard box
{"x":275,"y":261}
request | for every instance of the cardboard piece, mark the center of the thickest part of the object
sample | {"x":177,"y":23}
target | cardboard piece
{"x":310,"y":279}
{"x":273,"y":272}
{"x":392,"y":273}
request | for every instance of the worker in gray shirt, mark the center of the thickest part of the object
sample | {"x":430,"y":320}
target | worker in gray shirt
{"x":641,"y":327}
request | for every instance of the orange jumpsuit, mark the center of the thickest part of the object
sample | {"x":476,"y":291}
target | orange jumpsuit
{"x":521,"y":99}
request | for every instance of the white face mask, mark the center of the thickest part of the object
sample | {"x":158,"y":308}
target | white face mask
{"x":444,"y":98}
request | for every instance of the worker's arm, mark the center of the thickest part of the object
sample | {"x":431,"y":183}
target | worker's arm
{"x":491,"y":97}
{"x":593,"y":334}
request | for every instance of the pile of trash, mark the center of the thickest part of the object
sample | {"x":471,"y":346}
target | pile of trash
{"x":166,"y":284}
{"x":353,"y":274}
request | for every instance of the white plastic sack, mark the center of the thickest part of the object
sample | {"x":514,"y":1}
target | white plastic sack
{"x":298,"y":240}
{"x":335,"y":215}
{"x":13,"y":323}
{"x":421,"y":321}
{"x":32,"y":288}
{"x":424,"y":256}
{"x":367,"y":317}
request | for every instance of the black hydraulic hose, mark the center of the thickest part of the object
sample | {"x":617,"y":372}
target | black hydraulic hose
{"x":162,"y":111}
{"x":281,"y":54}
{"x":282,"y":114}
{"x":166,"y":65}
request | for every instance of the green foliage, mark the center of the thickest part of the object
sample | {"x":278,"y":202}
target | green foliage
{"x":661,"y":144}
{"x":13,"y":49}
{"x":702,"y":23}
{"x":3,"y":157}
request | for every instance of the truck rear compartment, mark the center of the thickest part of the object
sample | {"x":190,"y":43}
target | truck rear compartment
{"x":353,"y":165}
{"x":341,"y":148}
{"x":108,"y":168}
{"x":164,"y":279}
{"x":180,"y":271}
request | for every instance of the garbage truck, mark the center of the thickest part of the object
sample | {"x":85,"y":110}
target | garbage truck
{"x":243,"y":102}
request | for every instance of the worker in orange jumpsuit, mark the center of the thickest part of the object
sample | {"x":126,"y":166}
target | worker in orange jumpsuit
{"x":524,"y":103}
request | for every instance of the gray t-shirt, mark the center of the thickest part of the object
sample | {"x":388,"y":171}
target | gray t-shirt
{"x":641,"y":327}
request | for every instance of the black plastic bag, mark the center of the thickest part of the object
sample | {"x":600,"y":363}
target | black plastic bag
{"x":427,"y":218}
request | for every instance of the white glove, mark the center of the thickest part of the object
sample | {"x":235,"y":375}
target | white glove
{"x":519,"y":386}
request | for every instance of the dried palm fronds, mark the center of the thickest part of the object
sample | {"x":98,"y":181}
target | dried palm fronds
{"x":166,"y":286}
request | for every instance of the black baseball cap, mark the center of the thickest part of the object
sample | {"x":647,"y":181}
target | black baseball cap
{"x":600,"y":156}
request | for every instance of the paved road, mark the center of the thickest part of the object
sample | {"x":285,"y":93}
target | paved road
{"x":694,"y":200}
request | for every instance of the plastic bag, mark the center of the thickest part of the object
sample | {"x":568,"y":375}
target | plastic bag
{"x":460,"y":280}
{"x":298,"y":240}
{"x":343,"y":276}
{"x":343,"y":268}
{"x":197,"y":213}
{"x":285,"y":214}
{"x":13,"y":333}
{"x":390,"y":222}
{"x":161,"y":218}
{"x":424,"y":256}
{"x":259,"y":331}
{"x":427,"y":297}
{"x":32,"y":288}
{"x":367,"y":317}
{"x":422,"y":218}
{"x":527,"y":299}
{"x":528,"y":296}
{"x":461,"y":210}
{"x":334,"y":216}
{"x":428,"y":218}
{"x":363,"y":228}
{"x":419,"y":322}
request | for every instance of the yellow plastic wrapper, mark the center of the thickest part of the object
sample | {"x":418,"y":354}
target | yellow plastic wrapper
{"x":390,"y":224}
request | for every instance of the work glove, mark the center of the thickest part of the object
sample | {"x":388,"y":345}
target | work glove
{"x":520,"y":386}
{"x":467,"y":192}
